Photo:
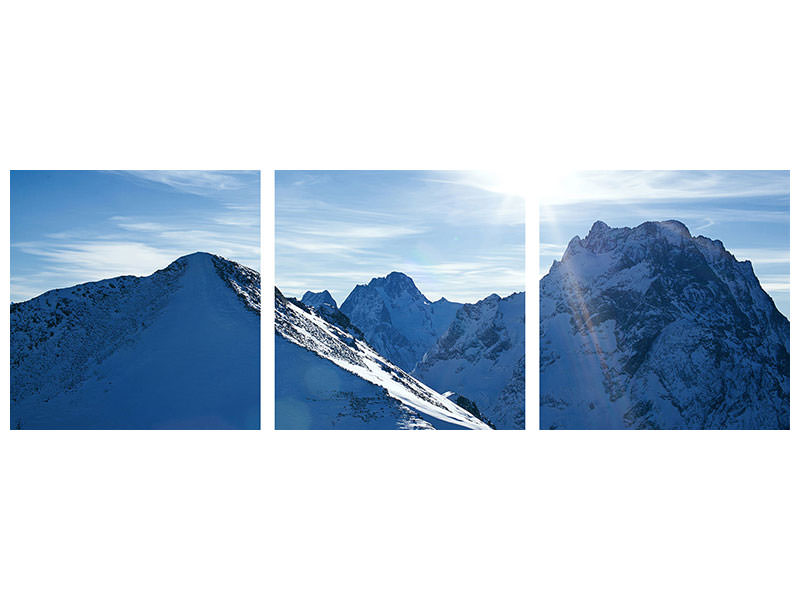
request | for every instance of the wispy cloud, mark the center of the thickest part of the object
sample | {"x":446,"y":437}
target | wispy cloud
{"x":221,"y":217}
{"x":131,"y":225}
{"x":626,"y":187}
{"x":627,"y":214}
{"x":325,"y":247}
{"x":546,"y":249}
{"x":197,"y":182}
{"x":456,"y":234}
{"x":349,"y":231}
{"x":706,"y":225}
{"x":243,"y":221}
{"x":88,"y":261}
{"x":764,"y":256}
{"x":775,"y":286}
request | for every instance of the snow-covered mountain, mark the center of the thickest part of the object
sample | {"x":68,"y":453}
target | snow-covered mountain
{"x":397,"y":319}
{"x":177,"y":349}
{"x":482,"y":357}
{"x":317,"y":299}
{"x":327,"y":378}
{"x":649,"y":327}
{"x":325,"y":306}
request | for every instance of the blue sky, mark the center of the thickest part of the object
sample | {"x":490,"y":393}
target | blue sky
{"x":69,"y":227}
{"x":460,"y":235}
{"x":747,"y":210}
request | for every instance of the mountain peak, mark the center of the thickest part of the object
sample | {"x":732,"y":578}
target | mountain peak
{"x":317,"y":299}
{"x":598,"y":228}
{"x":195,"y":259}
{"x":396,"y":318}
{"x":393,"y":277}
{"x":244,"y":281}
{"x":670,"y":227}
{"x":396,"y":284}
{"x":602,"y":238}
{"x":677,"y":225}
{"x":197,"y":256}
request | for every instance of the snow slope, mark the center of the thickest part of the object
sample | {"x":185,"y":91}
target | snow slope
{"x":397,"y":319}
{"x":649,"y":327}
{"x":178,"y":349}
{"x":327,"y":378}
{"x":482,"y":357}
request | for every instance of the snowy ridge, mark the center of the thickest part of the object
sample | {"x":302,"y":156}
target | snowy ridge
{"x":55,"y":336}
{"x":176,"y":349}
{"x":308,"y":330}
{"x":650,"y":327}
{"x":482,"y":357}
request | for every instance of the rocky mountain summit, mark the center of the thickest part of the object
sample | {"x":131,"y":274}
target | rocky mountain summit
{"x":317,"y":299}
{"x":651,"y":327}
{"x":397,"y":319}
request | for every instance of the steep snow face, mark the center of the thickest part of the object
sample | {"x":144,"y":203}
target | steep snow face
{"x":397,"y":320}
{"x":178,"y":349}
{"x":317,"y":299}
{"x":327,"y":378}
{"x":652,"y":328}
{"x":482,"y":356}
{"x":243,"y":280}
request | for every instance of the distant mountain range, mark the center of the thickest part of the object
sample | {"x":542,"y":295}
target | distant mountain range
{"x":178,"y":350}
{"x":650,"y":327}
{"x":460,"y":358}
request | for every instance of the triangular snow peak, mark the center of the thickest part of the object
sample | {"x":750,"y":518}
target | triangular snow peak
{"x":177,"y":349}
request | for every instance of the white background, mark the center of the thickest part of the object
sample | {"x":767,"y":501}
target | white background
{"x":489,"y":85}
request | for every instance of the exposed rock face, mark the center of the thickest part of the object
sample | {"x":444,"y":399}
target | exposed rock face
{"x":482,"y":356}
{"x":649,"y":327}
{"x":397,"y":319}
{"x":317,"y":299}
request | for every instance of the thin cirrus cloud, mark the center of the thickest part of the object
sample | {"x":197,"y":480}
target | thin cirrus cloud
{"x":776,"y":256}
{"x":197,"y":182}
{"x":446,"y":230}
{"x":629,"y":187}
{"x":339,"y":229}
{"x":775,"y":284}
{"x":73,"y":227}
{"x":130,"y":225}
{"x":73,"y":263}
